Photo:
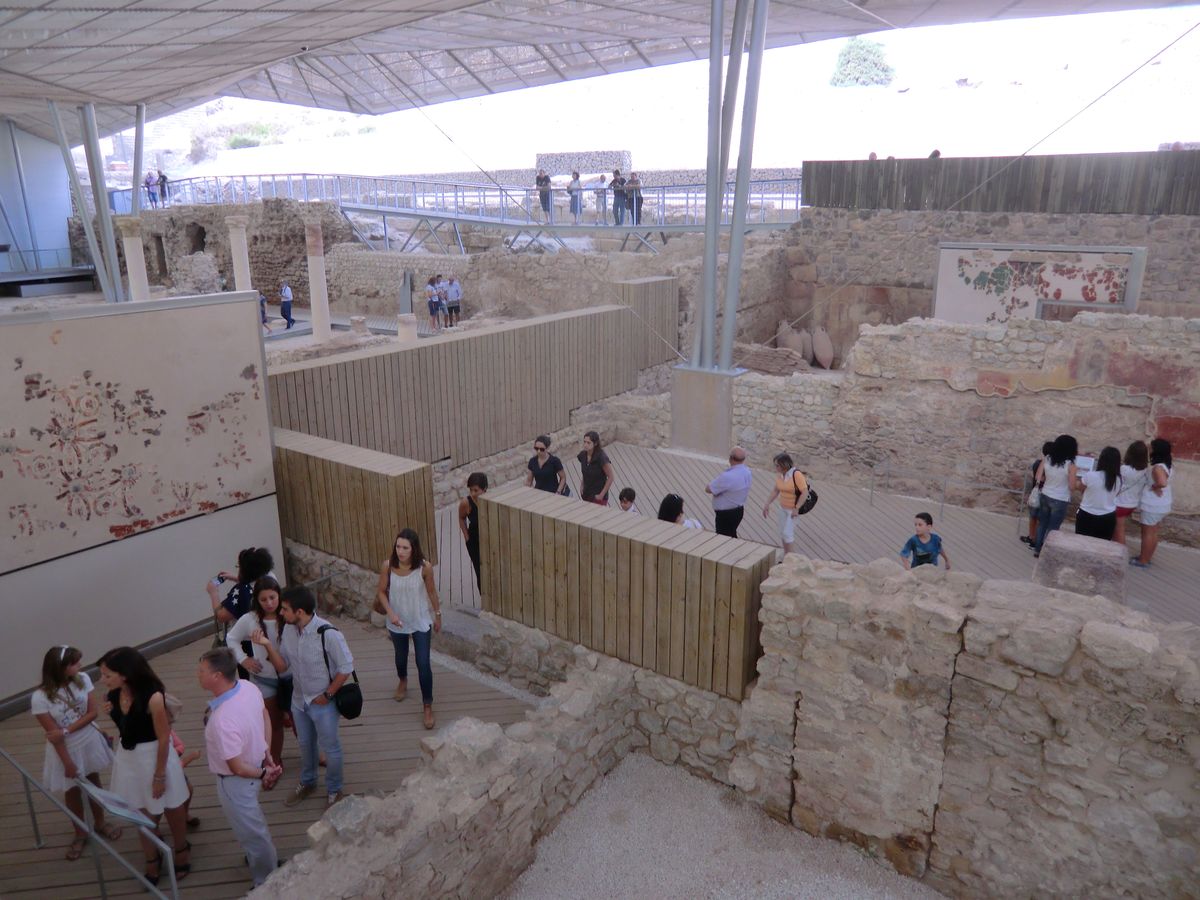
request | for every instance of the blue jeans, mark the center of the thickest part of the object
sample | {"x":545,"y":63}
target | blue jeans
{"x":1050,"y":518}
{"x":421,"y":641}
{"x":285,"y":310}
{"x":619,"y":210}
{"x":317,"y":726}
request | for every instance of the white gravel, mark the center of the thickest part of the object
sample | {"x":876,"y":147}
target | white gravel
{"x":654,"y":831}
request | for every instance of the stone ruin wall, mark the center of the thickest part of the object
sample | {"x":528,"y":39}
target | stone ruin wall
{"x":975,"y":403}
{"x":989,"y":738}
{"x":275,"y":236}
{"x":878,"y":266}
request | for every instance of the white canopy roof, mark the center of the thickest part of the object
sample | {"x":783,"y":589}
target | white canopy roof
{"x":377,"y":56}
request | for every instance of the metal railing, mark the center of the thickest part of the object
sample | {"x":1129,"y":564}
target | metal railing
{"x":36,"y":260}
{"x":773,"y":201}
{"x":94,"y":840}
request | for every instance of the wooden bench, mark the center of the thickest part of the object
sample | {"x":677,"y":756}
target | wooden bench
{"x":679,"y":601}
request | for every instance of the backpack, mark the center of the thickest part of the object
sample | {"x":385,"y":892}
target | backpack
{"x":349,"y":698}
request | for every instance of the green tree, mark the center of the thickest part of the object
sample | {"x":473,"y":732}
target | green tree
{"x":861,"y":63}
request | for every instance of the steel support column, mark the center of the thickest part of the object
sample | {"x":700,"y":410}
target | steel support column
{"x":733,"y":71}
{"x":139,"y":135}
{"x":80,"y":204}
{"x":702,"y":346}
{"x":33,"y":241}
{"x":108,"y":239}
{"x":12,"y":232}
{"x":737,"y":226}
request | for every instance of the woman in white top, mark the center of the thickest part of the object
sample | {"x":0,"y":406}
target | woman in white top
{"x":1097,"y":516}
{"x":575,"y":192}
{"x":408,"y":597}
{"x":65,"y":707}
{"x":1134,"y":477}
{"x":263,"y":621}
{"x":671,"y":510}
{"x":1156,"y":500}
{"x":1054,"y":475}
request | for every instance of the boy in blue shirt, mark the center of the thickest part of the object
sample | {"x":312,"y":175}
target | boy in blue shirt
{"x":924,"y":547}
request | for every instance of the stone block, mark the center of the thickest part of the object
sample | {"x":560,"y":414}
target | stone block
{"x":1118,"y":647}
{"x":1085,"y":565}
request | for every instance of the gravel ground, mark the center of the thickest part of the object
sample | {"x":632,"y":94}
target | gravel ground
{"x":654,"y":831}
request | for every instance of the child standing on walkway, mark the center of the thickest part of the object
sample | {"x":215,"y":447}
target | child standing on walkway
{"x":924,"y":547}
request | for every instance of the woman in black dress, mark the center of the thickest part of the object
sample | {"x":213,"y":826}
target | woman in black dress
{"x":596,"y":470}
{"x":545,"y":470}
{"x":468,"y":519}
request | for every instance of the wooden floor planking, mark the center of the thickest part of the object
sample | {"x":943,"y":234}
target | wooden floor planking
{"x":381,"y":748}
{"x":848,"y":525}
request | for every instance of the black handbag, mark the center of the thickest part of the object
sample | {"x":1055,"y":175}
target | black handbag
{"x":809,"y":502}
{"x":349,"y":698}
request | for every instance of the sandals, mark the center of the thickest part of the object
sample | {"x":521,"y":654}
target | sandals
{"x":76,"y":849}
{"x":157,"y":863}
{"x":110,"y":832}
{"x":182,"y":869}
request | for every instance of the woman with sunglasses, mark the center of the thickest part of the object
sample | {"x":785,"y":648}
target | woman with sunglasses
{"x":545,"y":470}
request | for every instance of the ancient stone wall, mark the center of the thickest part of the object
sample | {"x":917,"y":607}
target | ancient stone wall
{"x":993,"y":738}
{"x":854,"y":267}
{"x":973,"y":403}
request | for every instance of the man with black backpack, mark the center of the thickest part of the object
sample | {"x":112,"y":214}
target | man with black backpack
{"x":319,"y":661}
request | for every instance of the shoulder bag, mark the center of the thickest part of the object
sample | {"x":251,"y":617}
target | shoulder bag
{"x":349,"y":698}
{"x":809,"y":502}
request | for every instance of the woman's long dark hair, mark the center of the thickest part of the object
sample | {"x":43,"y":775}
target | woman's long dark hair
{"x":253,"y":564}
{"x":1110,"y":464}
{"x":266,"y":583}
{"x":54,"y":670}
{"x":1160,"y":452}
{"x":133,"y":667}
{"x":594,"y":437}
{"x":671,"y":508}
{"x":418,"y":558}
{"x":1065,"y":449}
{"x":1136,"y":455}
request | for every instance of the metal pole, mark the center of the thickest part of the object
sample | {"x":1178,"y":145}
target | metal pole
{"x":77,"y":192}
{"x":91,"y":134}
{"x":737,"y":227}
{"x":37,"y":832}
{"x":13,"y":235}
{"x":702,"y":346}
{"x":33,"y":241}
{"x":737,"y":43}
{"x":139,"y":146}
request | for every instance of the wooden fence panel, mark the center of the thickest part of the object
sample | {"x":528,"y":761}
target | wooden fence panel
{"x":350,"y":502}
{"x":1144,"y":183}
{"x":681,"y":602}
{"x":467,"y":396}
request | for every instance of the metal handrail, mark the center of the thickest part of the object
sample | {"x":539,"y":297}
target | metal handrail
{"x":95,"y":841}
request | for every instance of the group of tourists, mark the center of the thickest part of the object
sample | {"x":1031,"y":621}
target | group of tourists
{"x":157,"y":187}
{"x":1111,"y":487}
{"x":626,"y":197}
{"x":443,"y":298}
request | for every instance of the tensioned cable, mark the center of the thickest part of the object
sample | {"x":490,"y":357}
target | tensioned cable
{"x":852,"y":279}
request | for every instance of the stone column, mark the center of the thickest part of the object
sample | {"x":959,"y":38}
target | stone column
{"x":240,"y":250}
{"x":135,"y":256}
{"x":318,"y":291}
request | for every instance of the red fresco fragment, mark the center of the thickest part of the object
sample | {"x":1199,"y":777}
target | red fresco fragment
{"x":1132,"y":370}
{"x":1183,"y":433}
{"x":124,"y":531}
{"x":997,"y":383}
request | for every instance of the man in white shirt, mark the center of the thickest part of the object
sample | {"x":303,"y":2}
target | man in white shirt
{"x":729,"y":492}
{"x":285,"y":303}
{"x":453,"y":302}
{"x":303,"y":653}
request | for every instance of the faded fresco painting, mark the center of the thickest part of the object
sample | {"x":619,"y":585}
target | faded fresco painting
{"x":121,"y":423}
{"x":985,"y":285}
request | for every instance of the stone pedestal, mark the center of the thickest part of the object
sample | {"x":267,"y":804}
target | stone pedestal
{"x":702,"y":410}
{"x":318,"y":290}
{"x":1083,"y":565}
{"x":240,"y":250}
{"x":135,"y":256}
{"x":358,"y":325}
{"x":406,"y":327}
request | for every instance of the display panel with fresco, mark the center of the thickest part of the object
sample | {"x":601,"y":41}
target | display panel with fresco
{"x":119,"y":423}
{"x":985,"y":284}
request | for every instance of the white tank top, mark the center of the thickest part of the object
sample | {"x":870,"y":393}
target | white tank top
{"x":1152,"y":502}
{"x":408,"y":599}
{"x":1056,"y":487}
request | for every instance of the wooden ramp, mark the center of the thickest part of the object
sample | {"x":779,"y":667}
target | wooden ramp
{"x":847,"y":525}
{"x":381,"y":748}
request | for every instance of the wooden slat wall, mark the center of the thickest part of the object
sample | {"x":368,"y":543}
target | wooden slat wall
{"x":681,"y":602}
{"x":348,"y":501}
{"x":1149,"y":183}
{"x":467,"y":396}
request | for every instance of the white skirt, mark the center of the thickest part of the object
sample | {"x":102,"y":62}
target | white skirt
{"x":133,"y":778}
{"x":88,"y":750}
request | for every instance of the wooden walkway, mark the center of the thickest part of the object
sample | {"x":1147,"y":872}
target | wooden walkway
{"x":381,"y":748}
{"x":846,"y":526}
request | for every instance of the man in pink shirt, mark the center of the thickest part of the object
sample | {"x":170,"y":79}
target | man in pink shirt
{"x":237,"y":737}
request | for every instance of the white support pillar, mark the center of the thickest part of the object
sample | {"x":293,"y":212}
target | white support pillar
{"x":139,"y":134}
{"x":240,"y":250}
{"x":318,"y":290}
{"x":95,"y":160}
{"x":135,"y":256}
{"x":702,"y":347}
